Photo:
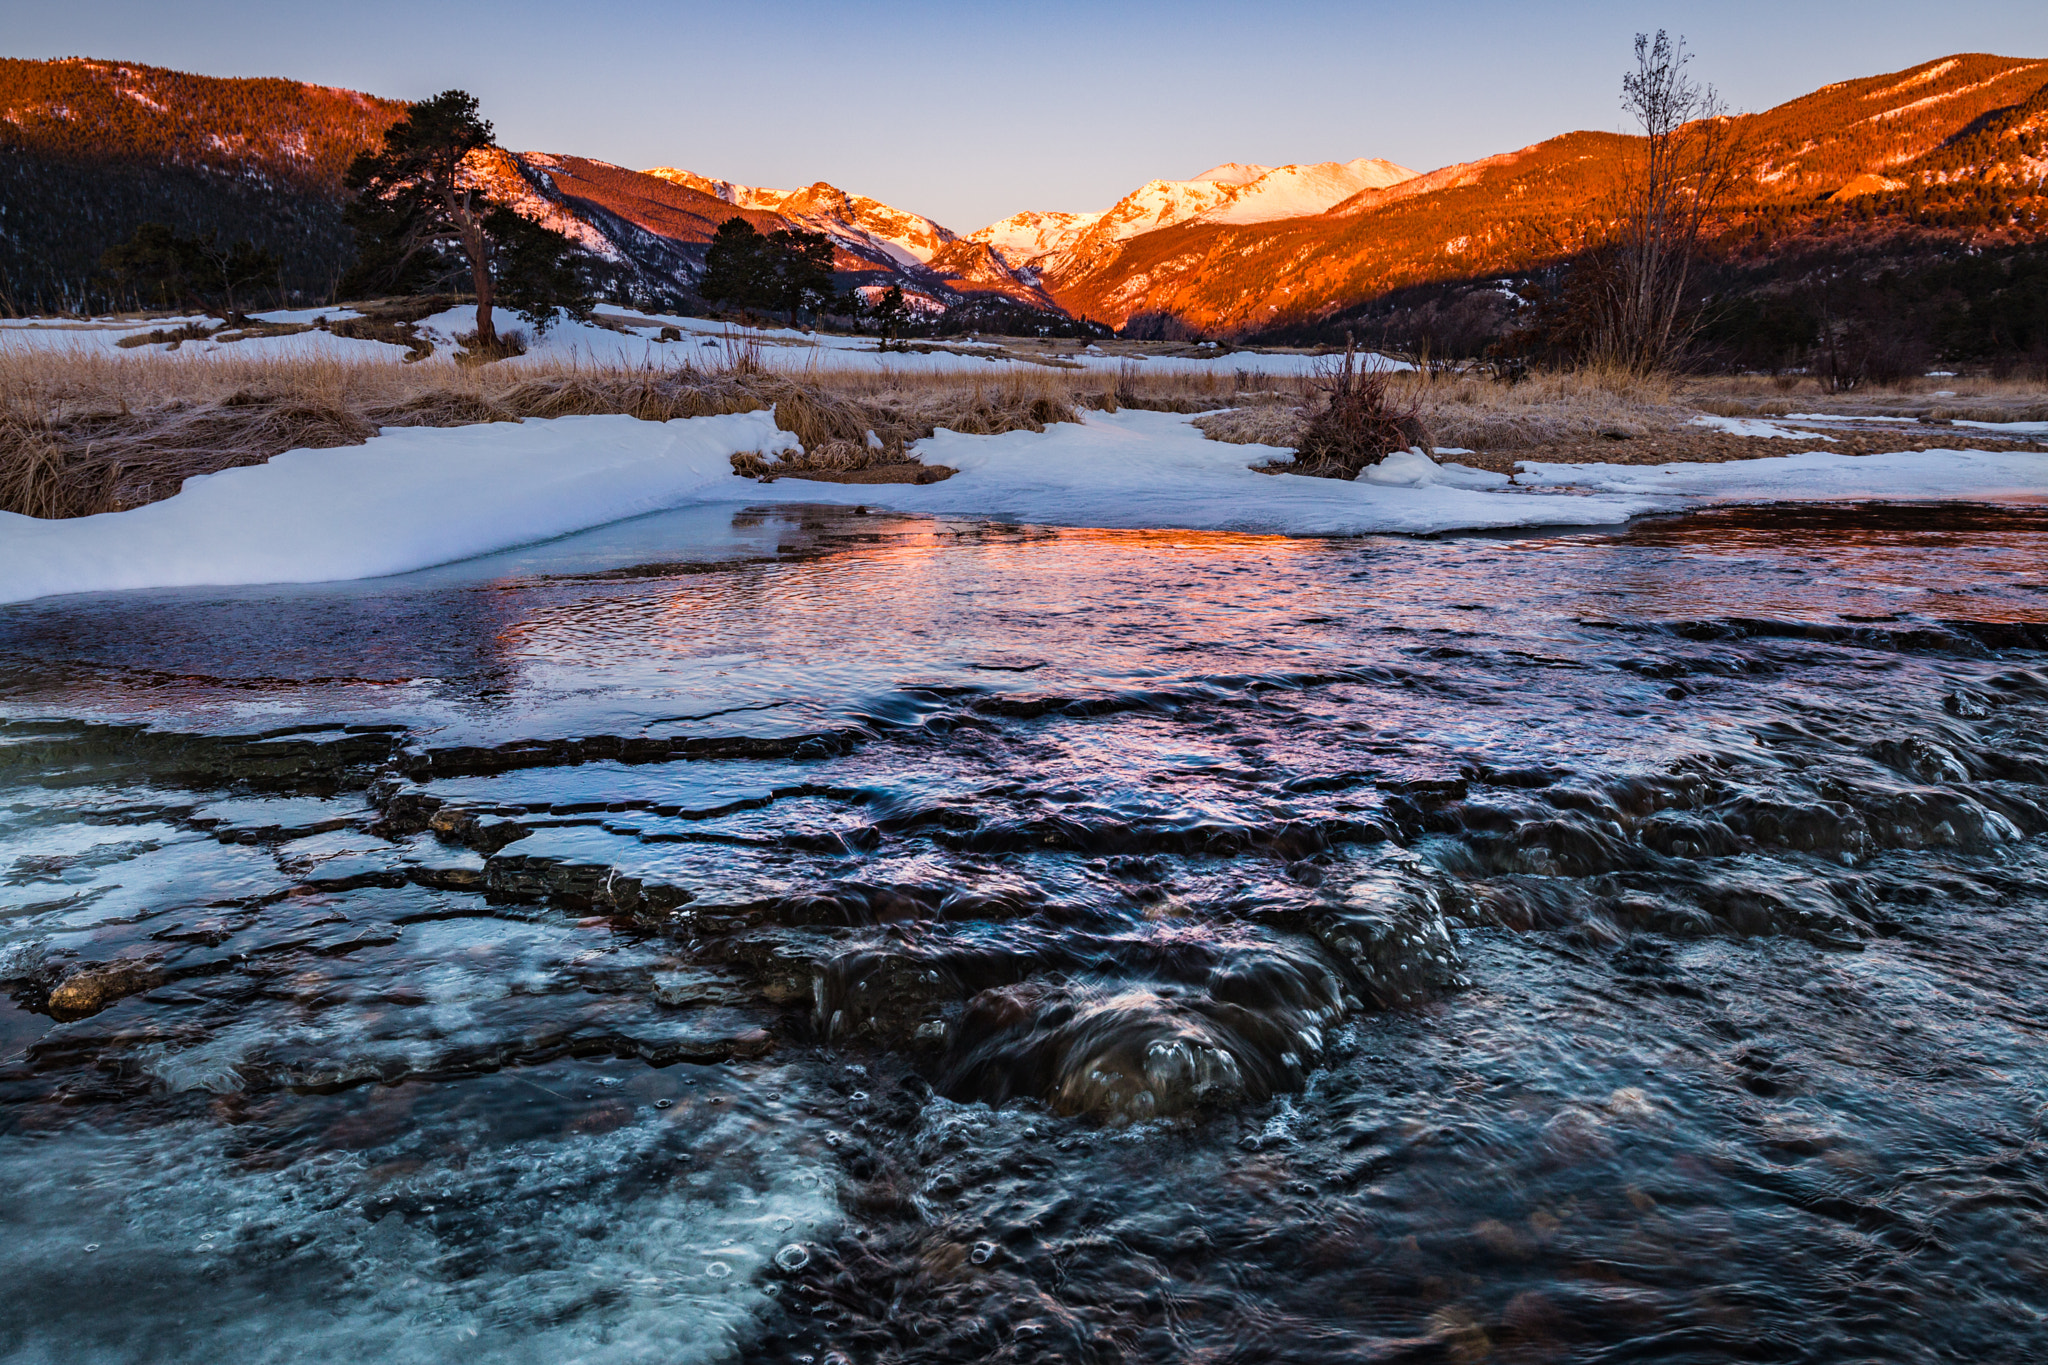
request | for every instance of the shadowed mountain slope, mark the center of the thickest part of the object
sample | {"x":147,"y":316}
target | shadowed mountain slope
{"x":91,"y":149}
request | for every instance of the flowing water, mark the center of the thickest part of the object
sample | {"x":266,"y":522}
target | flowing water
{"x":869,"y":938}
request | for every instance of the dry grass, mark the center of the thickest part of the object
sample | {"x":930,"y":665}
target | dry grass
{"x":93,"y":432}
{"x":87,"y":433}
{"x":1806,"y":389}
{"x":1354,"y":419}
{"x":1547,"y":410}
{"x":1262,"y":424}
{"x":1976,"y":398}
{"x":1543,"y":411}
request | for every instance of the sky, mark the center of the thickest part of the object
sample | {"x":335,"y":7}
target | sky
{"x":968,"y":112}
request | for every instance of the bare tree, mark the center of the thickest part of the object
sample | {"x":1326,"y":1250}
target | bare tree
{"x":1671,"y":192}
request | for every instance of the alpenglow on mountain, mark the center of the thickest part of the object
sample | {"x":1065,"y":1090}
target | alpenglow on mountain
{"x":90,"y":149}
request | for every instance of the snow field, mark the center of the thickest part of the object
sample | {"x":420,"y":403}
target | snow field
{"x":409,"y":498}
{"x":1817,"y":476}
{"x":418,"y":496}
{"x":705,"y":344}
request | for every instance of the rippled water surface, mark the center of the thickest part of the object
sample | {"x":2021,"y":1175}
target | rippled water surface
{"x":949,"y":941}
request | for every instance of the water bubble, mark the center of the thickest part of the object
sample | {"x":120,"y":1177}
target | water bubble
{"x":663,"y":1104}
{"x":92,"y":1246}
{"x":795,"y":1256}
{"x":717,"y":1270}
{"x":983,"y":1253}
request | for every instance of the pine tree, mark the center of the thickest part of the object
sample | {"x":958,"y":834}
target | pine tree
{"x":416,"y":203}
{"x":788,"y":270}
{"x":736,"y":269}
{"x":540,"y":271}
{"x":802,"y":265}
{"x":173,"y":271}
{"x":892,"y":315}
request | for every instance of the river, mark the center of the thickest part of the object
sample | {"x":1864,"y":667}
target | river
{"x":812,"y":935}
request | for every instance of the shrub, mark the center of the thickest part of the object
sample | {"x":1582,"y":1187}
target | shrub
{"x":1357,"y":424}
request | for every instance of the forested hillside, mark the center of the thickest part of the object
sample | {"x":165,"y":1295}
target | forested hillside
{"x":89,"y":150}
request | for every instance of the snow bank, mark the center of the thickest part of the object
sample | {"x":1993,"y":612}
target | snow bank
{"x":1144,"y":469}
{"x":1816,"y":476}
{"x":418,"y":496}
{"x":411,"y":497}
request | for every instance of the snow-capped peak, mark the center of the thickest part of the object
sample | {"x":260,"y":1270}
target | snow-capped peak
{"x":1157,"y":204}
{"x":1234,"y":192}
{"x":1298,"y":191}
{"x":905,"y":236}
{"x":739,"y":196}
{"x":1023,"y":237}
{"x":1234,"y":173}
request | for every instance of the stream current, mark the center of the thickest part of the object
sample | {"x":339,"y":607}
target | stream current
{"x":869,"y":938}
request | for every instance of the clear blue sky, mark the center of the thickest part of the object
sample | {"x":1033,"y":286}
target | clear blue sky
{"x":968,"y":112}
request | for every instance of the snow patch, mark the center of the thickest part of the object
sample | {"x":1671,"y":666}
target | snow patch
{"x":1816,"y":476}
{"x":1756,"y":427}
{"x":415,"y":497}
{"x":409,"y":498}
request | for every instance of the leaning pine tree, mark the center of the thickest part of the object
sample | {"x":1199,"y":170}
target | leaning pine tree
{"x":416,"y":202}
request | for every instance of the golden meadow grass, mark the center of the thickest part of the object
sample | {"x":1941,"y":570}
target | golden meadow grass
{"x":85,"y":432}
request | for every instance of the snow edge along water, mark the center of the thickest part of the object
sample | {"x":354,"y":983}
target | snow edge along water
{"x":415,"y":497}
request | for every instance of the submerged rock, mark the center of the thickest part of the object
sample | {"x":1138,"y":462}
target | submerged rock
{"x":91,"y":989}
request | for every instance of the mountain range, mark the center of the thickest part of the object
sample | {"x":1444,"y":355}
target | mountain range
{"x":90,"y":148}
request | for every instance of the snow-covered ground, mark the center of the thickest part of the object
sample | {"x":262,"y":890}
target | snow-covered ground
{"x":704,"y":342}
{"x":415,"y":497}
{"x":1816,"y":476}
{"x":1757,"y":427}
{"x":2002,"y":428}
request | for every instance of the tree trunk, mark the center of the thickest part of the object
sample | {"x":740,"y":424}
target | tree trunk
{"x":480,"y":275}
{"x":470,"y":226}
